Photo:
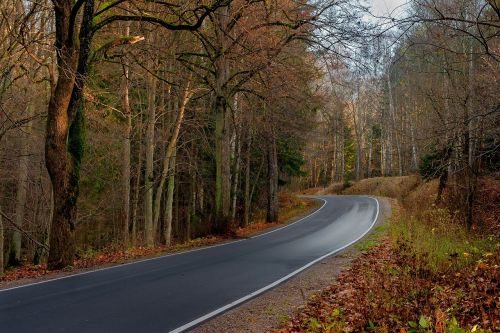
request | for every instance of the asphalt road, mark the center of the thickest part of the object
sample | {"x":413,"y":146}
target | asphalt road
{"x":176,"y":292}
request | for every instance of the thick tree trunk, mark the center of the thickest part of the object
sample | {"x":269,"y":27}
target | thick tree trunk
{"x":148,"y":174}
{"x":64,"y":131}
{"x":272,"y":163}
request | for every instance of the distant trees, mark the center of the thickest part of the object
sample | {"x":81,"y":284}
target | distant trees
{"x":433,"y":103}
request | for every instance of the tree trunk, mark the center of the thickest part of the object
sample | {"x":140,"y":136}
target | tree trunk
{"x":22,"y":186}
{"x":246,"y":213}
{"x":137,"y":183}
{"x":236,"y":177}
{"x":414,"y":152}
{"x":392,"y":119}
{"x":223,"y":170}
{"x":167,"y":223}
{"x":171,"y":147}
{"x":1,"y":244}
{"x":148,"y":174}
{"x":190,"y":211}
{"x":370,"y":157}
{"x":64,"y":130}
{"x":222,"y":158}
{"x":126,"y":152}
{"x":272,"y":163}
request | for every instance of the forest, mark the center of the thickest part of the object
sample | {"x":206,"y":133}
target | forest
{"x":136,"y":124}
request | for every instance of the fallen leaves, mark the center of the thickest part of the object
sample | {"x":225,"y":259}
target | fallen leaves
{"x":384,"y":292}
{"x":107,"y":257}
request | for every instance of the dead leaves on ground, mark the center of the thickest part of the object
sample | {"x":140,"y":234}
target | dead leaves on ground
{"x":383,"y":292}
{"x":107,"y":257}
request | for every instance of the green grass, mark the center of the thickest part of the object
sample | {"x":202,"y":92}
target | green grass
{"x":372,"y":239}
{"x":437,"y":242}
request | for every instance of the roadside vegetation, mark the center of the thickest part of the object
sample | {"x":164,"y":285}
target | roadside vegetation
{"x":422,"y":271}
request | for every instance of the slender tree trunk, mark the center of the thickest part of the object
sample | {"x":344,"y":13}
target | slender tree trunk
{"x":222,"y":157}
{"x":2,"y":255}
{"x":171,"y":147}
{"x":358,"y":153}
{"x":148,"y":175}
{"x":126,"y":152}
{"x":272,"y":162}
{"x":246,"y":213}
{"x":167,"y":223}
{"x":223,"y":169}
{"x":219,"y":132}
{"x":370,"y":157}
{"x":137,"y":183}
{"x":414,"y":153}
{"x":191,"y":204}
{"x":236,"y":177}
{"x":392,"y":119}
{"x":22,"y":186}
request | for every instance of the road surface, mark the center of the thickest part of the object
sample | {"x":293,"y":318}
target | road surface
{"x":176,"y":292}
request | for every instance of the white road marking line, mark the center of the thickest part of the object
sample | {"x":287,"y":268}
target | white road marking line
{"x":274,"y":284}
{"x":290,"y":224}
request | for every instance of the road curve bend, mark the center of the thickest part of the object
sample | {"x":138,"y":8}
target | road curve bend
{"x":174,"y":293}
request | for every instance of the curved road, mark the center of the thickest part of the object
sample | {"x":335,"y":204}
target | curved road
{"x":176,"y":292}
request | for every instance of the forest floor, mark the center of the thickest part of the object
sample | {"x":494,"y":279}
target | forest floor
{"x":292,"y":208}
{"x":422,"y":272}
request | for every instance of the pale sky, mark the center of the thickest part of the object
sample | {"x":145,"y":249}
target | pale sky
{"x":384,"y":7}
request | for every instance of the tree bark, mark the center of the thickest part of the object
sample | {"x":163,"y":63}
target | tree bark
{"x":137,"y":182}
{"x":170,"y":150}
{"x":191,"y":206}
{"x":222,"y":158}
{"x":126,"y":152}
{"x":247,"y":199}
{"x":272,"y":163}
{"x":167,"y":223}
{"x":2,"y":265}
{"x":64,"y":131}
{"x":148,"y":174}
{"x":22,"y":186}
{"x":236,"y":177}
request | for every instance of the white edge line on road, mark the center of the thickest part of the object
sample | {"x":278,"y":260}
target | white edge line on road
{"x":163,"y":256}
{"x":274,"y":284}
{"x":290,"y":224}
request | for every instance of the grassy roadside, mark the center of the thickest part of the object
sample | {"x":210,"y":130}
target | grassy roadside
{"x":420,"y":272}
{"x":291,"y":206}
